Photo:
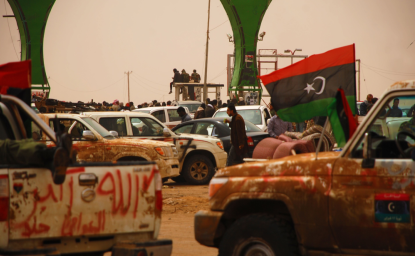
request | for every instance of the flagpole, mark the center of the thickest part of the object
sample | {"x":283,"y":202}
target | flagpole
{"x":321,"y":137}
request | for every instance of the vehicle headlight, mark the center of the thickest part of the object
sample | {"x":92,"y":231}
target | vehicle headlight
{"x":174,"y":149}
{"x":215,"y":184}
{"x":220,"y":145}
{"x":164,"y":151}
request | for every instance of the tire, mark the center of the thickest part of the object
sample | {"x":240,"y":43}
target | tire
{"x":198,"y":170}
{"x":259,"y":234}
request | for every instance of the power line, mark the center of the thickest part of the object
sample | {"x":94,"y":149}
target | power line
{"x":394,"y":80}
{"x":219,"y":25}
{"x":10,"y":32}
{"x":389,"y":72}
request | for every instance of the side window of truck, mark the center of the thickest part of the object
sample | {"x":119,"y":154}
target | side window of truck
{"x":160,"y":115}
{"x":391,"y":130}
{"x":5,"y":129}
{"x":114,"y":124}
{"x":173,"y":115}
{"x":70,"y":126}
{"x":144,"y":126}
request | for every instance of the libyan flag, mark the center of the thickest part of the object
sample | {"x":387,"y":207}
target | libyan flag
{"x":305,"y":89}
{"x":15,"y":80}
{"x":341,"y":119}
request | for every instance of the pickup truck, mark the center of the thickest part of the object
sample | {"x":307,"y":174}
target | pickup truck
{"x":359,"y":201}
{"x":167,"y":115}
{"x":99,"y":207}
{"x":95,"y":144}
{"x":256,"y":114}
{"x":199,"y":155}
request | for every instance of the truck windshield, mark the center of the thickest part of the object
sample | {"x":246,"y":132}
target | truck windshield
{"x":192,"y":107}
{"x":97,"y":127}
{"x":252,"y":115}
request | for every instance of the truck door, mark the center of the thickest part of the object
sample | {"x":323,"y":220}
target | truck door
{"x":94,"y":199}
{"x":372,"y":205}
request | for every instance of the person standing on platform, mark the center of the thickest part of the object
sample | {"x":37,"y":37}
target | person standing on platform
{"x":195,"y":76}
{"x":176,"y":79}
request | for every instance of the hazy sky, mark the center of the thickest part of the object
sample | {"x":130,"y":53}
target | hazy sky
{"x":90,"y":44}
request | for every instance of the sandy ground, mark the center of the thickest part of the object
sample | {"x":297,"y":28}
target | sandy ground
{"x":180,"y":203}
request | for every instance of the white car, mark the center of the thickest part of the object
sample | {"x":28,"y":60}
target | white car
{"x":256,"y":114}
{"x":166,"y":114}
{"x":192,"y":105}
{"x":199,"y":155}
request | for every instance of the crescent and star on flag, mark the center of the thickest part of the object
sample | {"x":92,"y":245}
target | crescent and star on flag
{"x":310,"y":87}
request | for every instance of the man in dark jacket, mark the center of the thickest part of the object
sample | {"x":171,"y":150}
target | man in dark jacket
{"x":200,"y":113}
{"x":239,"y":143}
{"x":366,"y":105}
{"x":183,"y":115}
{"x":209,"y":110}
{"x":176,"y":79}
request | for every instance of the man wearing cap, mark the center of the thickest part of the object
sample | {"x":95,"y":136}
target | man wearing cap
{"x":239,"y":141}
{"x":176,"y":79}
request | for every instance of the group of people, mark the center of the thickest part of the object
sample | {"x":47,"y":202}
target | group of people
{"x":119,"y":106}
{"x":393,"y":111}
{"x":184,"y":77}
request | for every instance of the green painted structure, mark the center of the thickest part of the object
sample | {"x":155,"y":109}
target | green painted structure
{"x":245,"y":17}
{"x":31,"y":17}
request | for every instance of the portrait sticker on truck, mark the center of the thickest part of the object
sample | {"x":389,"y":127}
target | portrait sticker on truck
{"x":393,"y":208}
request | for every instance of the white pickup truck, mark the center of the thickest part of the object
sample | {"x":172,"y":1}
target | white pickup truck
{"x":199,"y":155}
{"x":99,"y":207}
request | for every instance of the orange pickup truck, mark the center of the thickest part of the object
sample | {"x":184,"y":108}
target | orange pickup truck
{"x":360,"y":201}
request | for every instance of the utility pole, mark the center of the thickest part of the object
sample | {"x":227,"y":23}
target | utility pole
{"x":206,"y":58}
{"x":128,"y":79}
{"x":358,"y":79}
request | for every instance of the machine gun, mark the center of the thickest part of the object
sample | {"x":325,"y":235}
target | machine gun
{"x":45,"y":105}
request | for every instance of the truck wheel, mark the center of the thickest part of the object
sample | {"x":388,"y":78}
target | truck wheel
{"x":259,"y":234}
{"x":198,"y":170}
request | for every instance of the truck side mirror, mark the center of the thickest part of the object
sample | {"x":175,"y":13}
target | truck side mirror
{"x":114,"y":133}
{"x":166,"y":132}
{"x":368,"y":161}
{"x":88,"y":135}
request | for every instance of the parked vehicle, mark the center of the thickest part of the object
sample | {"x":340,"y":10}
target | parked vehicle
{"x":192,"y":105}
{"x":217,"y":128}
{"x":166,"y":115}
{"x":95,"y":144}
{"x":256,"y":114}
{"x":99,"y":207}
{"x":199,"y":155}
{"x":355,"y":202}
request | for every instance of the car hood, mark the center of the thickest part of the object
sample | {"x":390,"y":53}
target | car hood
{"x":197,"y":137}
{"x":298,"y":165}
{"x":142,"y":143}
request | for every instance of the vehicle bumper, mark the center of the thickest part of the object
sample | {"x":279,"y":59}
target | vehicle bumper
{"x":155,"y":248}
{"x":221,"y":159}
{"x":34,"y":251}
{"x":206,"y":226}
{"x":168,"y":167}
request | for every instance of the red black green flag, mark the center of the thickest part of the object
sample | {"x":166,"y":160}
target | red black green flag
{"x":341,"y":118}
{"x":305,"y":89}
{"x":15,"y":79}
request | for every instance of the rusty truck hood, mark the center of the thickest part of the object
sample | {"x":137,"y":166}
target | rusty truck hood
{"x":301,"y":164}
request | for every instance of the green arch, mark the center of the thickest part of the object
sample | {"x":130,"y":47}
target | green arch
{"x":245,"y":17}
{"x":31,"y":17}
